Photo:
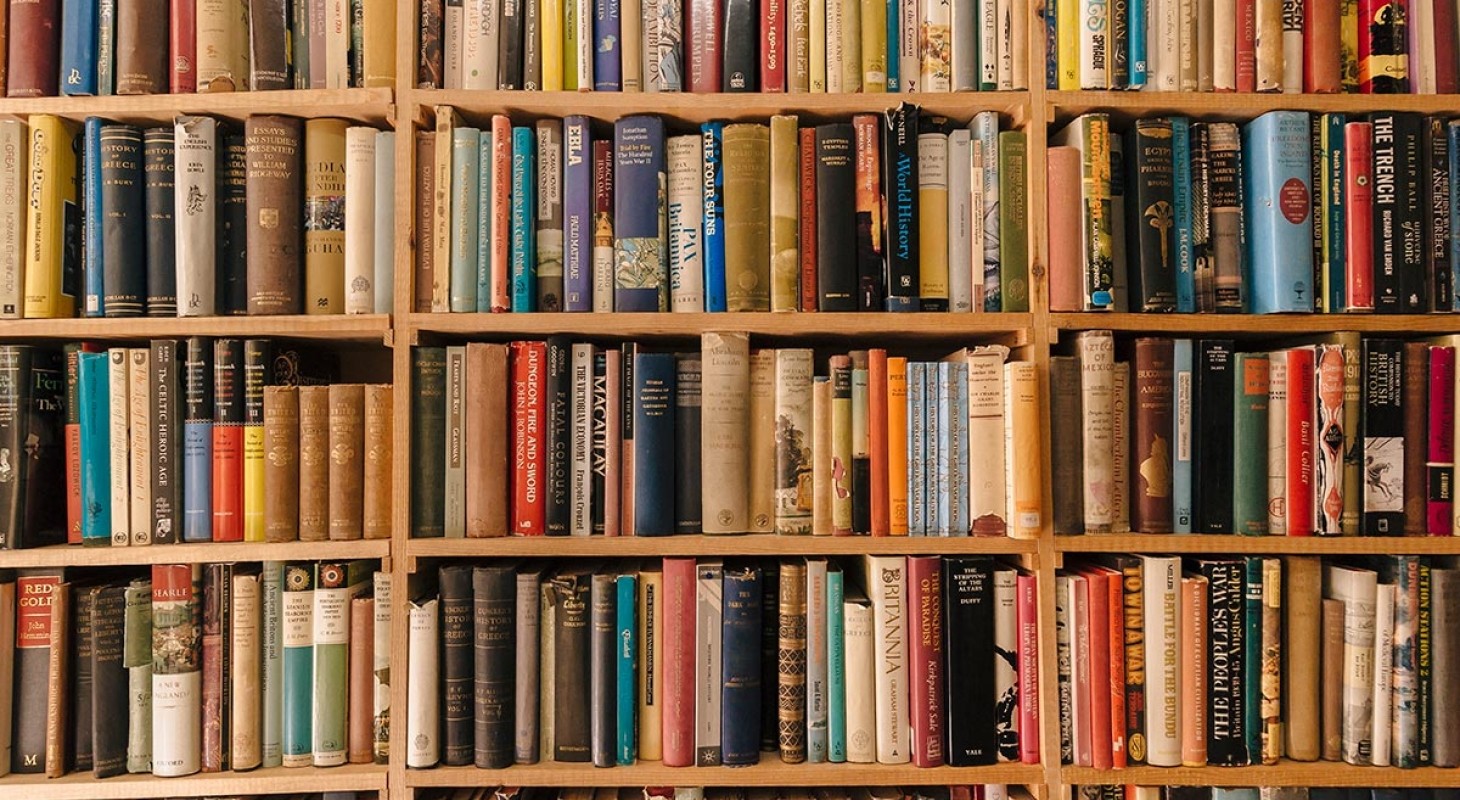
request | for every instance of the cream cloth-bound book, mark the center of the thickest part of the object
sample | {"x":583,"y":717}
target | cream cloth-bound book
{"x":423,"y":720}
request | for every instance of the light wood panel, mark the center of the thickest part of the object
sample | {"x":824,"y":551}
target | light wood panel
{"x":191,"y":553}
{"x":277,"y":780}
{"x":1258,"y":325}
{"x":769,"y":772}
{"x":1296,"y":545}
{"x":362,"y":328}
{"x":375,"y":106}
{"x":759,"y":545}
{"x":1284,"y":773}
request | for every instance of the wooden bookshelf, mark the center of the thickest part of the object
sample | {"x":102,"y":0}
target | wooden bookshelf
{"x":1258,"y":326}
{"x":191,"y":553}
{"x":277,"y":780}
{"x":1283,"y":545}
{"x":356,"y":328}
{"x":1284,"y":773}
{"x":769,"y":772}
{"x":373,"y":106}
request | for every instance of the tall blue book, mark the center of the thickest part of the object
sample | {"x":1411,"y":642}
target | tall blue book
{"x":607,"y":62}
{"x":740,"y":665}
{"x":713,"y":219}
{"x":654,"y":400}
{"x":80,"y":24}
{"x":836,"y":665}
{"x":1181,"y":436}
{"x":894,"y":67}
{"x":92,"y":253}
{"x":466,"y":144}
{"x":640,"y":254}
{"x":524,"y":219}
{"x":1135,"y":44}
{"x":1277,"y":184}
{"x":577,"y":214}
{"x":627,"y":653}
{"x":484,"y":223}
{"x":197,"y":525}
{"x":1181,"y":208}
{"x":106,"y":47}
{"x":94,"y":387}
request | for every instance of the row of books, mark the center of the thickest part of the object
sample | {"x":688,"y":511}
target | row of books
{"x":1250,"y":659}
{"x":885,"y":659}
{"x":1345,"y":435}
{"x":196,"y":668}
{"x":1290,"y":212}
{"x":562,"y":438}
{"x":1129,"y":792}
{"x":904,"y":212}
{"x":724,"y":45}
{"x":984,"y":791}
{"x":1254,"y":46}
{"x":278,"y":215}
{"x":104,"y":47}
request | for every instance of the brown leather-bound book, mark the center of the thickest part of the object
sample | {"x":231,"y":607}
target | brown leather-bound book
{"x":346,"y":460}
{"x":1153,"y":400}
{"x":361,"y":748}
{"x":35,"y":50}
{"x":281,"y":463}
{"x":1302,"y":629}
{"x":141,"y":52}
{"x":58,"y":692}
{"x":1332,"y":680}
{"x":314,"y":471}
{"x":425,"y":221}
{"x":791,"y":677}
{"x":1415,"y":404}
{"x":274,"y":147}
{"x":1065,"y":417}
{"x":379,"y":460}
{"x":486,"y":440}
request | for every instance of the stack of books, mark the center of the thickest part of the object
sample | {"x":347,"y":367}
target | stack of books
{"x":196,"y":667}
{"x":882,"y":659}
{"x":902,"y":212}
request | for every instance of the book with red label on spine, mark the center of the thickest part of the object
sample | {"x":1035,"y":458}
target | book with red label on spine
{"x":1440,"y":462}
{"x":529,"y":442}
{"x":228,"y":414}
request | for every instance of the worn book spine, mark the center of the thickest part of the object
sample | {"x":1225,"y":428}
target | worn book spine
{"x":457,"y":673}
{"x":494,"y":596}
{"x":1440,"y":452}
{"x":378,"y":450}
{"x":195,"y":214}
{"x":275,"y":148}
{"x":423,"y":724}
{"x":641,"y":272}
{"x":680,"y":587}
{"x":724,"y":463}
{"x":346,"y":461}
{"x":324,"y":225}
{"x":217,"y":665}
{"x":793,"y":373}
{"x":747,"y":218}
{"x":603,"y":670}
{"x":1250,"y":427}
{"x":792,"y":661}
{"x":486,"y":423}
{"x":785,"y":202}
{"x":360,"y":194}
{"x":228,"y":415}
{"x":1214,"y":376}
{"x":569,"y":594}
{"x":281,"y":466}
{"x":1161,"y":578}
{"x":314,"y":459}
{"x":176,"y":670}
{"x":123,"y":237}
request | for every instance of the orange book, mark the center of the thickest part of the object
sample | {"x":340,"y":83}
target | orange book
{"x":1115,"y":586}
{"x":877,"y":432}
{"x":1100,"y":661}
{"x":897,"y":446}
{"x":1066,"y":278}
{"x":1193,"y":671}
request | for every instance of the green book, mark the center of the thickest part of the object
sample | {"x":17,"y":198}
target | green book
{"x":336,"y":583}
{"x":137,"y":660}
{"x":428,"y":436}
{"x":1013,"y":222}
{"x":271,"y":680}
{"x":1249,"y":444}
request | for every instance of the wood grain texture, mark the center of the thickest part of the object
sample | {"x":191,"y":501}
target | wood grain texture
{"x":82,"y":786}
{"x":189,"y":553}
{"x":769,"y":772}
{"x":363,"y":328}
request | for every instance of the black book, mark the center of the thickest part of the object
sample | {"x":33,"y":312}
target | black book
{"x":1226,"y":631}
{"x":1133,"y":590}
{"x":531,"y":46}
{"x":968,"y":627}
{"x":600,"y":440}
{"x":83,"y":601}
{"x":1435,"y":181}
{"x":861,"y":445}
{"x":123,"y":232}
{"x":430,"y":54}
{"x":1150,"y":240}
{"x":494,"y":652}
{"x":32,"y":398}
{"x":687,"y":488}
{"x":457,"y":673}
{"x":770,"y":651}
{"x":1201,"y":218}
{"x":509,"y":45}
{"x":166,"y":414}
{"x":740,"y":67}
{"x":569,"y":593}
{"x":36,"y":593}
{"x":740,"y":629}
{"x":428,"y":432}
{"x":900,"y":199}
{"x":109,"y":693}
{"x":1398,"y":238}
{"x":1066,"y":414}
{"x":559,"y":434}
{"x":836,"y":218}
{"x":1381,"y":442}
{"x":603,"y":668}
{"x":157,"y":179}
{"x":1211,"y":442}
{"x":232,"y":222}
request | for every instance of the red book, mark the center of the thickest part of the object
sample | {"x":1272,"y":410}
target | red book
{"x":1099,"y":599}
{"x":1358,"y":140}
{"x":613,"y":361}
{"x":1246,"y":60}
{"x":1115,"y":586}
{"x":808,"y":219}
{"x":1322,"y":26}
{"x":772,"y":45}
{"x":877,"y":433}
{"x":228,"y":440}
{"x":925,"y":652}
{"x":1066,"y":275}
{"x":35,"y":49}
{"x":1384,"y":56}
{"x":1447,"y":71}
{"x":679,"y":667}
{"x":1300,"y":442}
{"x":1080,"y":645}
{"x":183,"y":42}
{"x":529,"y":412}
{"x":1440,"y":461}
{"x":502,"y":211}
{"x":1028,"y":622}
{"x":704,"y":21}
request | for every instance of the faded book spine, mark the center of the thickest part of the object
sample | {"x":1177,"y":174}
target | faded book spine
{"x":275,"y":228}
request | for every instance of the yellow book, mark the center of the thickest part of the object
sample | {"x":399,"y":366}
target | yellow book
{"x":897,"y":445}
{"x":874,"y":46}
{"x":933,"y":218}
{"x":569,"y":38}
{"x":52,"y":220}
{"x":1022,"y":449}
{"x":379,"y":33}
{"x":324,"y":216}
{"x":651,"y":662}
{"x":785,"y":213}
{"x":1068,"y":21}
{"x":255,"y":366}
{"x":550,"y":22}
{"x":631,"y":45}
{"x":818,"y":46}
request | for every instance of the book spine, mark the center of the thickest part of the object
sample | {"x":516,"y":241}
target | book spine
{"x":1440,"y":453}
{"x":837,"y":279}
{"x":578,"y":294}
{"x":195,"y":212}
{"x":713,"y":214}
{"x":885,"y":576}
{"x":1436,"y":213}
{"x":708,"y":672}
{"x":217,"y":662}
{"x":747,"y":218}
{"x":641,"y":267}
{"x":725,"y":360}
{"x":423,"y":675}
{"x":685,"y":206}
{"x":528,"y":671}
{"x":925,"y":654}
{"x":1300,"y":442}
{"x":603,"y":670}
{"x":1280,"y":242}
{"x":139,"y":444}
{"x":72,"y":433}
{"x":1162,"y":612}
{"x":1383,"y":442}
{"x":119,"y":439}
{"x":528,"y":438}
{"x":793,"y":373}
{"x":228,"y":417}
{"x":524,"y":231}
{"x":275,"y":147}
{"x":792,"y":662}
{"x":549,"y":215}
{"x":836,"y":665}
{"x":680,"y":586}
{"x":1250,"y":401}
{"x":654,"y":407}
{"x":817,"y":734}
{"x":176,"y":671}
{"x":807,"y":220}
{"x":900,"y":162}
{"x":741,"y":667}
{"x":625,"y":654}
{"x":120,"y":259}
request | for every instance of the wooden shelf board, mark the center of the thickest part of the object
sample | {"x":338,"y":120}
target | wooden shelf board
{"x":1230,"y":105}
{"x":82,"y":786}
{"x":191,"y":553}
{"x":364,"y":105}
{"x":365,"y":328}
{"x":1297,"y":545}
{"x":714,"y":545}
{"x":687,"y":107}
{"x":1258,"y":325}
{"x":769,"y":772}
{"x":1284,"y":773}
{"x":848,"y":325}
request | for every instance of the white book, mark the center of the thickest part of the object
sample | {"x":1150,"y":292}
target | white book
{"x":220,"y":36}
{"x":1064,"y":667}
{"x":858,"y":633}
{"x":583,"y":22}
{"x":1358,"y":589}
{"x":1422,"y":53}
{"x":580,"y":476}
{"x":885,"y":577}
{"x":724,"y":419}
{"x":960,"y":222}
{"x":1187,"y":35}
{"x":987,"y":481}
{"x":1277,"y":441}
{"x":1224,"y":46}
{"x":709,"y":599}
{"x":383,"y":282}
{"x":1097,"y":391}
{"x":1094,"y":44}
{"x":1006,"y":649}
{"x":177,"y":698}
{"x":1384,"y":599}
{"x":455,"y":488}
{"x":423,"y":675}
{"x":271,"y":676}
{"x":480,"y":43}
{"x":816,"y":665}
{"x":1163,"y":45}
{"x":835,"y":52}
{"x":380,"y":690}
{"x":685,"y":206}
{"x":1293,"y":45}
{"x":119,"y":440}
{"x":818,"y":44}
{"x":907,"y":45}
{"x":453,"y":44}
{"x":246,"y":681}
{"x":195,"y":214}
{"x":1120,"y":446}
{"x":1010,"y":49}
{"x":13,"y":139}
{"x":139,"y":443}
{"x":1161,"y":577}
{"x":1206,"y":46}
{"x":360,"y":143}
{"x":988,"y":43}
